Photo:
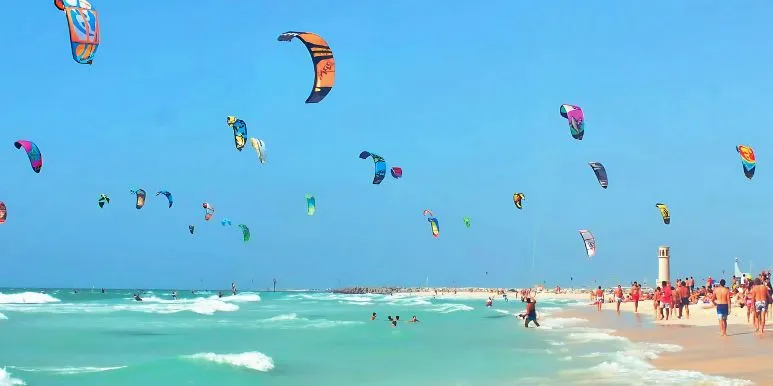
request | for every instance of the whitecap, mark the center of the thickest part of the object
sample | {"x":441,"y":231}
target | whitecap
{"x":585,"y":337}
{"x":7,"y":380}
{"x":68,"y":370}
{"x":252,"y":360}
{"x":3,"y":317}
{"x":27,"y":298}
{"x":451,"y":307}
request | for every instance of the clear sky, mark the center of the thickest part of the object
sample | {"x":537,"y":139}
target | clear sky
{"x":463,"y":96}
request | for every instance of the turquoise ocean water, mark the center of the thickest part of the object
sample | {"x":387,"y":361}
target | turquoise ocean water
{"x":306,"y":338}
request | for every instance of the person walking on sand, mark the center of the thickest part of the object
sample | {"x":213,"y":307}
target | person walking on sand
{"x":722,"y":302}
{"x":599,"y":298}
{"x":635,"y":293}
{"x":760,"y":293}
{"x":656,"y":303}
{"x":618,"y":297}
{"x":665,"y":298}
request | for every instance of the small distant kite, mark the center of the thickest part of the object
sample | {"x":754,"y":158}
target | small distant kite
{"x":240,"y":131}
{"x":103,"y":199}
{"x":311,"y":205}
{"x":601,"y":173}
{"x":33,"y":153}
{"x":467,"y":222}
{"x":191,"y":228}
{"x":397,"y":172}
{"x":321,"y":57}
{"x":576,"y":119}
{"x":209,"y":211}
{"x":168,"y":196}
{"x":225,"y":222}
{"x":589,"y":241}
{"x":378,"y":163}
{"x":518,"y":199}
{"x":83,"y":23}
{"x":3,"y":212}
{"x":748,"y":160}
{"x":260,"y":148}
{"x":245,"y":232}
{"x":664,"y":212}
{"x":140,"y":193}
{"x":433,"y":223}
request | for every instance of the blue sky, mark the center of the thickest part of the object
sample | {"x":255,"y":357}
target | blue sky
{"x":463,"y":97}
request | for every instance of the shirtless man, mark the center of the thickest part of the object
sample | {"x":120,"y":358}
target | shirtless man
{"x":618,"y":297}
{"x":635,"y":294}
{"x":722,"y":302}
{"x":599,"y":298}
{"x":683,"y":297}
{"x":665,"y":298}
{"x":760,"y":293}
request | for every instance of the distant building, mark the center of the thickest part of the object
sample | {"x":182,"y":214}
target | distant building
{"x":664,"y":265}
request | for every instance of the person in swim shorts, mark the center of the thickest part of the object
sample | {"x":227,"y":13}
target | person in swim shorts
{"x":618,"y":297}
{"x":599,"y":298}
{"x":531,"y":313}
{"x":722,"y":302}
{"x":760,"y":293}
{"x":635,"y":294}
{"x":665,"y":298}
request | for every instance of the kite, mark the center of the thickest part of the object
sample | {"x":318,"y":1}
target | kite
{"x":590,"y":242}
{"x":664,"y":213}
{"x":397,"y":172}
{"x":3,"y":212}
{"x":467,"y":222}
{"x":103,"y":199}
{"x":260,"y":148}
{"x":748,"y":160}
{"x":36,"y":159}
{"x":240,"y":131}
{"x":140,"y":198}
{"x":601,"y":173}
{"x":311,"y":205}
{"x":518,"y":200}
{"x":225,"y":222}
{"x":245,"y":232}
{"x":433,"y":223}
{"x":321,"y":57}
{"x":191,"y":228}
{"x":576,"y":119}
{"x":168,"y":196}
{"x":83,"y":23}
{"x":209,"y":211}
{"x":378,"y":163}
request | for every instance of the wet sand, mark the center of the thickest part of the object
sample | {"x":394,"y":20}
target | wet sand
{"x":741,"y":354}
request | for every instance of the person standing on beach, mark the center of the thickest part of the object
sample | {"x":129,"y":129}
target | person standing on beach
{"x":618,"y":297}
{"x":599,"y":297}
{"x":682,"y":299}
{"x":722,"y":302}
{"x":635,"y":293}
{"x":666,"y":298}
{"x":760,"y":293}
{"x":656,"y":303}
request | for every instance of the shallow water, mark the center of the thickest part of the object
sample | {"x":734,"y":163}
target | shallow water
{"x":304,"y":338}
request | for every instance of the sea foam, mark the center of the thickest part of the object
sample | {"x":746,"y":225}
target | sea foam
{"x":7,"y":380}
{"x":27,"y":298}
{"x":252,"y":360}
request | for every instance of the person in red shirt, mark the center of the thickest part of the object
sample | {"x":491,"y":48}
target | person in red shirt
{"x":635,"y":293}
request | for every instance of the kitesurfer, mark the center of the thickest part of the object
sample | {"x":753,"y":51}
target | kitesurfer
{"x":220,"y":294}
{"x":233,"y":288}
{"x":174,"y":295}
{"x":137,"y":297}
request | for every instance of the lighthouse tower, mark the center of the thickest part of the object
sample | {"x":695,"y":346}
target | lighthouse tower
{"x":664,"y":268}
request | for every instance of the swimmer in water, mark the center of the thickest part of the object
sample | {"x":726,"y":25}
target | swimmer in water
{"x":413,"y":319}
{"x":220,"y":294}
{"x":373,"y":317}
{"x":174,"y":295}
{"x":489,"y":302}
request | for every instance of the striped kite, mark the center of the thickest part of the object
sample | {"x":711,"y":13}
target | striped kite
{"x":664,"y":212}
{"x":576,"y":119}
{"x":590,"y":242}
{"x":518,"y":199}
{"x":601,"y":173}
{"x":321,"y":57}
{"x":260,"y":148}
{"x":140,"y":193}
{"x":748,"y":160}
{"x":378,"y":163}
{"x":209,"y":211}
{"x":240,"y":131}
{"x":433,"y":223}
{"x":83,"y":23}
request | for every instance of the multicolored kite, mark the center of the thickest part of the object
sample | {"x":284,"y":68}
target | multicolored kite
{"x":601,"y":173}
{"x":140,"y":193}
{"x":209,"y":211}
{"x":168,"y":196}
{"x":311,"y":205}
{"x":3,"y":212}
{"x":397,"y":172}
{"x":260,"y":148}
{"x":240,"y":131}
{"x":379,"y":165}
{"x":33,"y":153}
{"x":518,"y":200}
{"x":84,"y":28}
{"x":576,"y":119}
{"x":590,"y":242}
{"x":322,"y":57}
{"x":664,"y":212}
{"x":748,"y":160}
{"x":103,"y":199}
{"x":433,"y":223}
{"x":467,"y":222}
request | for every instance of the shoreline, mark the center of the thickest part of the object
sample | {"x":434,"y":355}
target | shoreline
{"x":740,"y":356}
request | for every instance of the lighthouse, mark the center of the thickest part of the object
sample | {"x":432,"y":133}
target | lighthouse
{"x":664,"y":268}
